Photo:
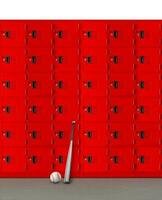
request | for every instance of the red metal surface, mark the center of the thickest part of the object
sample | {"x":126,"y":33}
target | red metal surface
{"x":106,"y":75}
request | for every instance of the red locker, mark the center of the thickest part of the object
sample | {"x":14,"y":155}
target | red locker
{"x":39,"y":134}
{"x":12,"y":34}
{"x":94,"y":84}
{"x":38,"y":34}
{"x":40,"y":109}
{"x":120,"y":134}
{"x":94,"y":161}
{"x":147,"y":159}
{"x":121,"y":159}
{"x":120,"y":34}
{"x":66,"y":111}
{"x":39,"y":160}
{"x":66,"y":84}
{"x":13,"y":160}
{"x":93,"y":34}
{"x":12,"y":84}
{"x":40,"y":84}
{"x":94,"y":135}
{"x":13,"y":134}
{"x":66,"y":34}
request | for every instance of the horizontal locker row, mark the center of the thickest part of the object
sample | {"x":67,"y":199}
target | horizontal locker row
{"x":98,"y":135}
{"x":87,"y":59}
{"x":96,"y":109}
{"x":36,"y":34}
{"x":91,"y":160}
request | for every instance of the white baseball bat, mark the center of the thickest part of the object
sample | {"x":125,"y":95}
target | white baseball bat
{"x":69,"y":156}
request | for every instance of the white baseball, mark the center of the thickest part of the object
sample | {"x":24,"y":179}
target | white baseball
{"x":55,"y":177}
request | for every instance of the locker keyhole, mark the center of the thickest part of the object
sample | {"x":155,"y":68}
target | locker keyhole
{"x":89,"y":34}
{"x":34,"y":134}
{"x":34,"y":159}
{"x":141,"y":109}
{"x":116,"y":159}
{"x":141,"y":84}
{"x":7,"y":59}
{"x":142,"y":134}
{"x":115,"y":84}
{"x":115,"y":34}
{"x":60,"y":159}
{"x":141,"y":59}
{"x":60,"y":109}
{"x":7,"y":134}
{"x":33,"y":59}
{"x":89,"y":84}
{"x":33,"y":109}
{"x":115,"y":134}
{"x":89,"y":59}
{"x":89,"y":109}
{"x":60,"y":59}
{"x":7,"y":84}
{"x":60,"y":84}
{"x":33,"y":84}
{"x":60,"y":134}
{"x":89,"y":159}
{"x":7,"y":159}
{"x":7,"y":34}
{"x":89,"y":134}
{"x":34,"y":34}
{"x":115,"y":60}
{"x":115,"y":109}
{"x":60,"y":34}
{"x":141,"y":34}
{"x":7,"y":109}
{"x":142,"y":159}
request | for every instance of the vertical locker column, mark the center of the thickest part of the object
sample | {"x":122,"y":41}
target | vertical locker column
{"x":40,"y":107}
{"x":66,"y":94}
{"x":93,"y":73}
{"x":147,"y":98}
{"x":121,"y":98}
{"x":12,"y":98}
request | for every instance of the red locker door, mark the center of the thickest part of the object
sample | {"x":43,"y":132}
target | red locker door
{"x":66,"y":59}
{"x":120,"y":134}
{"x":12,"y":33}
{"x":66,"y":84}
{"x":39,"y":134}
{"x":94,"y":135}
{"x":40,"y":84}
{"x":147,"y":134}
{"x":121,"y":109}
{"x":148,"y":85}
{"x":148,"y":110}
{"x":13,"y":160}
{"x":60,"y":160}
{"x":147,"y":34}
{"x":94,"y":109}
{"x":121,"y":160}
{"x":66,"y":33}
{"x":66,"y":110}
{"x":40,"y":109}
{"x":147,"y":60}
{"x":39,"y":60}
{"x":12,"y":84}
{"x":120,"y":60}
{"x":148,"y":159}
{"x":120,"y":34}
{"x":92,"y":59}
{"x":39,"y":160}
{"x":62,"y":131}
{"x":93,"y":34}
{"x":12,"y":60}
{"x":38,"y":34}
{"x":13,"y":134}
{"x":94,"y":162}
{"x":12,"y":109}
{"x":94,"y":84}
{"x":121,"y":85}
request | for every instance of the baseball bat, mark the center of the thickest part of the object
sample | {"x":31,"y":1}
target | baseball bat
{"x":69,"y":156}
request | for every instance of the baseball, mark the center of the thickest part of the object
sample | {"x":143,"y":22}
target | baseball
{"x":55,"y":177}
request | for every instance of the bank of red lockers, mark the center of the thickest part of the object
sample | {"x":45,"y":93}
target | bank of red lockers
{"x":104,"y":74}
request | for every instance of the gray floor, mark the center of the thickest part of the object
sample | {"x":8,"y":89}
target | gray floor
{"x":79,"y":189}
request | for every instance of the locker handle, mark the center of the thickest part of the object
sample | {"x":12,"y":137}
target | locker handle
{"x":33,"y":134}
{"x":115,"y":134}
{"x":116,"y":159}
{"x":34,"y":159}
{"x":59,"y":84}
{"x":6,"y":59}
{"x":115,"y":34}
{"x":142,"y":159}
{"x":89,"y":134}
{"x":6,"y":109}
{"x":115,"y":59}
{"x":6,"y":34}
{"x":89,"y":34}
{"x":60,"y":59}
{"x":89,"y":59}
{"x":141,"y":34}
{"x":141,"y":109}
{"x":89,"y":109}
{"x":60,"y":34}
{"x":141,"y":84}
{"x":33,"y":59}
{"x":115,"y":84}
{"x":89,"y":159}
{"x":33,"y":109}
{"x":60,"y":159}
{"x":6,"y":84}
{"x":141,"y":59}
{"x":60,"y":109}
{"x":142,"y":134}
{"x":33,"y":34}
{"x":7,"y":159}
{"x":33,"y":84}
{"x":115,"y":109}
{"x":7,"y":134}
{"x":60,"y":134}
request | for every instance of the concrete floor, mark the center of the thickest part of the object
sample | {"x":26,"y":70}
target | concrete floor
{"x":79,"y":189}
